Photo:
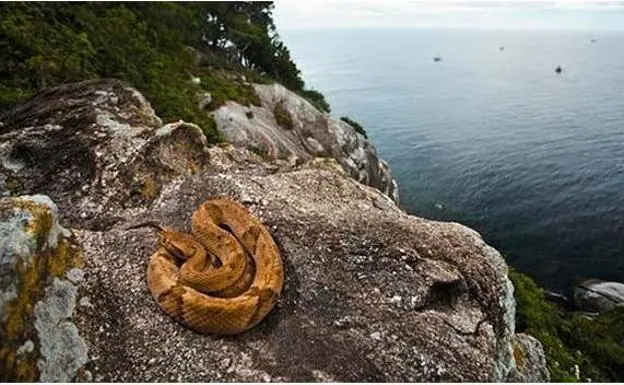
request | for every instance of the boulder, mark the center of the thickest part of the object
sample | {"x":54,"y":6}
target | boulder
{"x":40,"y":267}
{"x":596,"y":296}
{"x":530,"y":359}
{"x":310,"y":133}
{"x":371,"y":293}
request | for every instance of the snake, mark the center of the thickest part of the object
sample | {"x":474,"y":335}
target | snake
{"x":223,"y":277}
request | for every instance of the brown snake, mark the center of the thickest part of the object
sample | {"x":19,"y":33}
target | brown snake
{"x":224,"y":277}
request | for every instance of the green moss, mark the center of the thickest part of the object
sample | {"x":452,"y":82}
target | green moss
{"x":356,"y":126}
{"x":282,"y":116}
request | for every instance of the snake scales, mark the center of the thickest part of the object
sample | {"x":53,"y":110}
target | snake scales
{"x":224,"y":277}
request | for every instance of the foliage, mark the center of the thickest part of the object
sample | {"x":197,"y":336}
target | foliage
{"x":602,"y":339}
{"x":282,"y":116}
{"x":44,"y":44}
{"x":154,"y":46}
{"x":356,"y":126}
{"x":317,"y":99}
{"x":595,"y":345}
{"x":224,"y":86}
{"x":243,"y":33}
{"x":539,"y":318}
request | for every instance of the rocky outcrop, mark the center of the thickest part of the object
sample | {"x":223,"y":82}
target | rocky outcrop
{"x":530,"y":360}
{"x":598,"y":296}
{"x":39,"y":269}
{"x":309,"y":134}
{"x":371,"y":293}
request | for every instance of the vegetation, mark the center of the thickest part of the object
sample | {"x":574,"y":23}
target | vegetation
{"x":356,"y":126}
{"x":595,"y":346}
{"x":316,"y":98}
{"x":282,"y":116}
{"x":155,"y":47}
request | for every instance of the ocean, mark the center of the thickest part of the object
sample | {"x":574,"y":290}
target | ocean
{"x":491,"y":136}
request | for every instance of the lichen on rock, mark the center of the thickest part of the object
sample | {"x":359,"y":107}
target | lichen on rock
{"x":35,"y":254}
{"x":530,"y":360}
{"x":62,"y":349}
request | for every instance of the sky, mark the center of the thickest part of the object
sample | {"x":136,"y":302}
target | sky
{"x":516,"y":14}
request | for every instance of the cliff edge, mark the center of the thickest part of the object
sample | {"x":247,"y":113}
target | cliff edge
{"x":371,"y":293}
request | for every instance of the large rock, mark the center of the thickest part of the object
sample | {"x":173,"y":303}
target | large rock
{"x":39,"y":270}
{"x":371,"y":293}
{"x":311,"y":134}
{"x":598,"y":296}
{"x":530,"y":360}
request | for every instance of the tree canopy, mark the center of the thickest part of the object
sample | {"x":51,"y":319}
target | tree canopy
{"x":151,"y":45}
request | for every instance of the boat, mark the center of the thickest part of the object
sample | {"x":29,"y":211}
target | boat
{"x":558,"y":69}
{"x":437,"y":58}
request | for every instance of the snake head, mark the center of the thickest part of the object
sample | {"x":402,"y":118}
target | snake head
{"x":180,"y":245}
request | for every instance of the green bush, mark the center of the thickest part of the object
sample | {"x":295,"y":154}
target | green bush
{"x":154,"y":46}
{"x":224,"y":86}
{"x":539,"y":318}
{"x":282,"y":116}
{"x":569,"y":339}
{"x":316,"y":98}
{"x":356,"y":126}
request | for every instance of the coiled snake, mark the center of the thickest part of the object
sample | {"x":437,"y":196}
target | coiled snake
{"x":224,"y":277}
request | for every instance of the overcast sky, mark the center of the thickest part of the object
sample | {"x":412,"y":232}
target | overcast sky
{"x":568,"y":14}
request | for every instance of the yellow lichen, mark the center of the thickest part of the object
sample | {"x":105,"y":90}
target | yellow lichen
{"x":26,"y":370}
{"x":149,"y":189}
{"x":22,"y":306}
{"x":193,"y":167}
{"x":42,"y":220}
{"x":33,"y":274}
{"x":518,"y":355}
{"x":20,"y":313}
{"x":64,"y":258}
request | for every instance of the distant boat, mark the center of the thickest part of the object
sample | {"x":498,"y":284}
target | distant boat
{"x":502,"y":48}
{"x":593,"y":40}
{"x":558,"y":69}
{"x":437,"y":58}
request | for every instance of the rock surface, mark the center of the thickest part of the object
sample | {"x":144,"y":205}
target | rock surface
{"x":530,"y":360}
{"x":371,"y":293}
{"x":313,"y":134}
{"x":598,"y":296}
{"x":37,"y":299}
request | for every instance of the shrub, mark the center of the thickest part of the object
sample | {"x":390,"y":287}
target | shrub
{"x":282,"y":116}
{"x":569,"y":339}
{"x":316,"y":98}
{"x":356,"y":126}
